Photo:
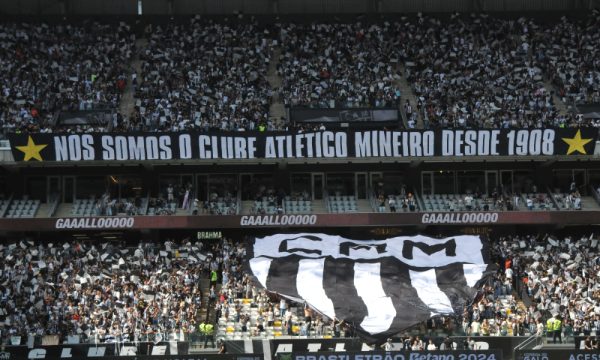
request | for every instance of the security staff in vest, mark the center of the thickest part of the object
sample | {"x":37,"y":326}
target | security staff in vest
{"x":213,"y":278}
{"x":209,"y":334}
{"x":557,"y":330}
{"x":550,"y":327}
{"x":202,"y":329}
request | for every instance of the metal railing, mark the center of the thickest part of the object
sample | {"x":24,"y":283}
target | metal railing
{"x":371,"y":196}
{"x":552,"y":198}
{"x":403,"y":117}
{"x":418,"y":201}
{"x":191,"y":202}
{"x":595,"y":194}
{"x":144,"y":208}
{"x":326,"y":201}
{"x":54,"y":202}
{"x":238,"y":202}
{"x":530,"y":343}
{"x":4,"y":208}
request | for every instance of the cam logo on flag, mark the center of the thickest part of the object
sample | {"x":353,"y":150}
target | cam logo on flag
{"x":380,"y":287}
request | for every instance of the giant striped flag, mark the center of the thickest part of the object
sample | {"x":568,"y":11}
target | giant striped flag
{"x":381,"y":287}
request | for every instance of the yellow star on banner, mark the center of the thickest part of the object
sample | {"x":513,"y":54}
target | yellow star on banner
{"x":31,"y":150}
{"x":576,"y":143}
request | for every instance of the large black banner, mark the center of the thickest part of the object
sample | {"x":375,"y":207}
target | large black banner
{"x":377,"y":287}
{"x":310,"y":115}
{"x":311,"y":145}
{"x":399,"y":355}
{"x":84,"y":351}
{"x":85,"y":117}
{"x":9,"y":354}
{"x":275,"y":347}
{"x":556,"y":354}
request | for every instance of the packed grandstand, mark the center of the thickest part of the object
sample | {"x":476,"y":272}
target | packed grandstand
{"x":143,"y":161}
{"x":464,"y":70}
{"x":118,"y":292}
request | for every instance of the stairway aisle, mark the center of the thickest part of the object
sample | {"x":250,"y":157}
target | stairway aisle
{"x":407,"y":93}
{"x":277,"y":112}
{"x":561,"y":107}
{"x":127,"y":104}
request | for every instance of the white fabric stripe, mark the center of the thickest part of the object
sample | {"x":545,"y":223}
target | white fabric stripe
{"x":425,"y":283}
{"x":473,"y":273}
{"x":248,"y":347}
{"x":260,"y":267}
{"x":267,"y":349}
{"x":468,"y":248}
{"x":309,"y":284}
{"x":381,"y":312}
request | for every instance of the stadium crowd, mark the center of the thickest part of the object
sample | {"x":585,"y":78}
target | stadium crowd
{"x":466,"y":71}
{"x":110,"y":292}
{"x":101,"y":292}
{"x":571,"y":50}
{"x":204,"y":75}
{"x":481,"y":74}
{"x":339,"y":65}
{"x":59,"y":67}
{"x":555,"y":277}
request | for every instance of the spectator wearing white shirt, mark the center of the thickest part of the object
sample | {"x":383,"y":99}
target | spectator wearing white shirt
{"x":529,"y":202}
{"x":468,"y":202}
{"x":431,"y":346}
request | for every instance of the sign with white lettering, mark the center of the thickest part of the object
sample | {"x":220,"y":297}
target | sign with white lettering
{"x":556,"y":354}
{"x":284,"y":347}
{"x":277,"y":220}
{"x":95,"y":223}
{"x":362,"y":219}
{"x":310,"y":145}
{"x":460,"y":218}
{"x":94,"y":351}
{"x":401,"y":355}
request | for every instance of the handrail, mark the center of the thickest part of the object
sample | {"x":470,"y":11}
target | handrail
{"x":371,"y":197}
{"x":110,"y":123}
{"x":4,"y":209}
{"x":326,"y":200}
{"x":145,"y":207}
{"x":191,"y":198}
{"x":403,"y":116}
{"x":523,"y":294}
{"x":420,"y":204}
{"x":55,"y":199}
{"x":54,"y":120}
{"x":533,"y":338}
{"x":551,"y":193}
{"x":595,"y":194}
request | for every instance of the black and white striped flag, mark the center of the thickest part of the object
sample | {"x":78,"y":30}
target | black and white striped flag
{"x":381,"y":287}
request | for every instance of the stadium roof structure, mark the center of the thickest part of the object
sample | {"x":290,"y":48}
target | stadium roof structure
{"x":280,"y":7}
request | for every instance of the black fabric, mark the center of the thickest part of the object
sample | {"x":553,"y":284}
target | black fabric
{"x":354,"y":273}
